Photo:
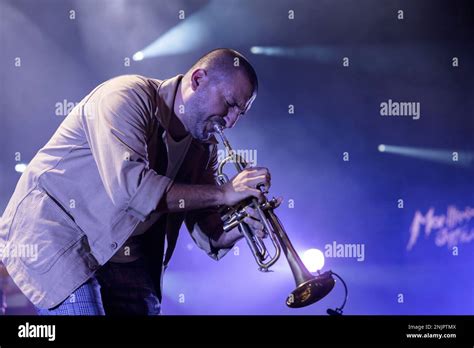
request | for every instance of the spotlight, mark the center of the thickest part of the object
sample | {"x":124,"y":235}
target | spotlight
{"x":256,"y":50}
{"x":188,"y":35}
{"x":444,"y":156}
{"x":138,"y":56}
{"x":318,"y":53}
{"x":20,"y":167}
{"x":313,"y":259}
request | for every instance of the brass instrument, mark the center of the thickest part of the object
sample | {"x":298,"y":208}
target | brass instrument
{"x":309,"y":288}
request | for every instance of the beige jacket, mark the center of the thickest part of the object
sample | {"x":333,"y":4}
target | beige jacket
{"x":101,"y":174}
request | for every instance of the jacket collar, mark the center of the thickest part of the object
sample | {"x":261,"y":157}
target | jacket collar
{"x":165,"y":102}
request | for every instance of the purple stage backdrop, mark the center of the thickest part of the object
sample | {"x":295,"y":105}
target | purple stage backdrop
{"x":364,"y":118}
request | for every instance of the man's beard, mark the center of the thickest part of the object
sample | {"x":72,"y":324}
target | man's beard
{"x":204,"y":132}
{"x":198,"y":125}
{"x":198,"y":120}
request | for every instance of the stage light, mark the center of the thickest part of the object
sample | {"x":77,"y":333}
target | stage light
{"x":274,"y":51}
{"x":318,"y":53}
{"x":20,"y":167}
{"x":194,"y":32}
{"x":444,"y":156}
{"x":256,"y":50}
{"x":209,"y":24}
{"x":138,"y":56}
{"x":313,"y":259}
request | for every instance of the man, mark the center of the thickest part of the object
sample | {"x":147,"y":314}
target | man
{"x":104,"y":199}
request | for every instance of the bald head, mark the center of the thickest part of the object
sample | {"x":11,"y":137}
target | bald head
{"x":224,"y":64}
{"x":218,"y":89}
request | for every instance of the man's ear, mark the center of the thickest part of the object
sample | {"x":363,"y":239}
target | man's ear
{"x":197,"y":78}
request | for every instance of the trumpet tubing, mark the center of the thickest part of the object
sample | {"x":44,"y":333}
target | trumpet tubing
{"x":309,"y":288}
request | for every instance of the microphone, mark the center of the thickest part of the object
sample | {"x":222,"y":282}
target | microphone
{"x":336,"y":311}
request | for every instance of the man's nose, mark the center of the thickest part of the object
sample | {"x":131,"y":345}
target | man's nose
{"x":229,"y":123}
{"x":230,"y":120}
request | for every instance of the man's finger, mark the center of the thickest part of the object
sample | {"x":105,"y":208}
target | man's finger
{"x":256,"y":225}
{"x":278,"y":202}
{"x":260,"y":234}
{"x":257,"y":181}
{"x":256,"y":193}
{"x":257,"y":171}
{"x":253,"y":213}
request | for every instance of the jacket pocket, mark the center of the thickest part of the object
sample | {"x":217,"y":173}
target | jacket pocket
{"x":41,"y":232}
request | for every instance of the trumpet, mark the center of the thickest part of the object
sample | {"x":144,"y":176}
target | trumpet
{"x":309,"y":288}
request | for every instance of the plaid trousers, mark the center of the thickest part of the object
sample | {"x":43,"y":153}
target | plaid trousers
{"x":115,"y":289}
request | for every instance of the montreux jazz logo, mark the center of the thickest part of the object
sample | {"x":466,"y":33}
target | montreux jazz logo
{"x":450,"y":229}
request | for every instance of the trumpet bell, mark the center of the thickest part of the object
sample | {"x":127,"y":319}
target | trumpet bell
{"x":311,"y":291}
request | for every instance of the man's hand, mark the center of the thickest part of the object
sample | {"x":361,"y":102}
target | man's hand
{"x":253,"y":220}
{"x":244,"y":185}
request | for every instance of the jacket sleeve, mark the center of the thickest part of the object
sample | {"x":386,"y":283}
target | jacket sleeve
{"x":206,"y":224}
{"x":116,"y":124}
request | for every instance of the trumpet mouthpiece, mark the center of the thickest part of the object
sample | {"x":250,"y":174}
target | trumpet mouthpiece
{"x":218,"y":128}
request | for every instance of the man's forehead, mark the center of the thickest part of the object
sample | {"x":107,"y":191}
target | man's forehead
{"x":240,"y":92}
{"x":243,"y":101}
